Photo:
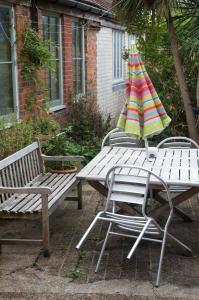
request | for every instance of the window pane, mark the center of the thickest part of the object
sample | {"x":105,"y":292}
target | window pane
{"x":51,"y":30}
{"x":77,"y":76}
{"x":118,"y":42}
{"x":5,"y":38}
{"x":6,"y":91}
{"x":55,"y":82}
{"x":78,"y":61}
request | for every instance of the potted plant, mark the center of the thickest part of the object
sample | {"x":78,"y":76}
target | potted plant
{"x":60,"y":145}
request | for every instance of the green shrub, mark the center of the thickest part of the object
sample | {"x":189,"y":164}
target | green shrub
{"x":15,"y":137}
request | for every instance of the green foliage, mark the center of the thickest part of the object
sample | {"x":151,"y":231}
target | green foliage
{"x":159,"y":64}
{"x":81,"y":254}
{"x":75,"y":273}
{"x":35,"y":54}
{"x":84,"y":132}
{"x":15,"y":137}
{"x":84,"y":119}
{"x":44,"y":124}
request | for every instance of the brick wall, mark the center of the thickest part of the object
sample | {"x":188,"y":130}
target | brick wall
{"x":22,"y":19}
{"x":67,"y":57}
{"x":98,"y":62}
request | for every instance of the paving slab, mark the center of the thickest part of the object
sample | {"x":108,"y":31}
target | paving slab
{"x":26,"y":274}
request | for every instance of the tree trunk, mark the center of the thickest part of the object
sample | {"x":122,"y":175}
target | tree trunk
{"x":193,"y":133}
{"x":197,"y":91}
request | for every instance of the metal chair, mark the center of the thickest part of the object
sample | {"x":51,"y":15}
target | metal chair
{"x":119,"y":138}
{"x":132,"y":189}
{"x":178,"y":142}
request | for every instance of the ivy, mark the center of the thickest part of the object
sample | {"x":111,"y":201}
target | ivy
{"x":35,"y":54}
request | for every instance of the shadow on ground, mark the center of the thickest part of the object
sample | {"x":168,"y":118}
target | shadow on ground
{"x":26,"y":274}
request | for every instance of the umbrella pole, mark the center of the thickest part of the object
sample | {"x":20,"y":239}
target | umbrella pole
{"x":147,"y":147}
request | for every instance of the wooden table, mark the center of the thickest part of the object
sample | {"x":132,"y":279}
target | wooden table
{"x":178,"y":167}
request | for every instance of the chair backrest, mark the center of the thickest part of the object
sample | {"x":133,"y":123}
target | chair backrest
{"x":118,"y":138}
{"x":178,"y":142}
{"x":131,"y":186}
{"x":20,"y":168}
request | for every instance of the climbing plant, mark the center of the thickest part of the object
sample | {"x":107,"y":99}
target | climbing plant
{"x":35,"y":56}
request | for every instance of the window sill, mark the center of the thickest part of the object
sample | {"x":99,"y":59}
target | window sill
{"x":57,"y":108}
{"x":118,"y":85}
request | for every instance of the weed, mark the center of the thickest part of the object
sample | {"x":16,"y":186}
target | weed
{"x":75,"y":273}
{"x":81,"y":254}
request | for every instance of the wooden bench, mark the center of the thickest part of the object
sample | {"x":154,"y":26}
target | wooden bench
{"x":27,"y":191}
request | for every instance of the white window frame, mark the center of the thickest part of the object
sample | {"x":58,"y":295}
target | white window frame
{"x":60,"y":58}
{"x":118,"y":37}
{"x":13,"y":61}
{"x":83,"y":55}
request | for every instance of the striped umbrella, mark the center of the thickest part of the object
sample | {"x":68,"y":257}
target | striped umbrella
{"x":143,"y":114}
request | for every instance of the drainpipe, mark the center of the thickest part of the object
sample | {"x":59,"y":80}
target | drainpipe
{"x":85,"y":7}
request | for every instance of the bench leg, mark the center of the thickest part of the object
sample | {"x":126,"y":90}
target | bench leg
{"x":45,"y":226}
{"x":79,"y":195}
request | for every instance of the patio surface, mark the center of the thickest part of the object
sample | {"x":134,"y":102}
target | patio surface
{"x":26,"y":274}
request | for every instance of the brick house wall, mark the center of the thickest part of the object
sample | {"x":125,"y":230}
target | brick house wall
{"x":98,"y":58}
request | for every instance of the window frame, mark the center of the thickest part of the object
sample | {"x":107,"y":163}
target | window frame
{"x":116,"y":58}
{"x":76,"y":20}
{"x":60,"y":60}
{"x":13,"y":62}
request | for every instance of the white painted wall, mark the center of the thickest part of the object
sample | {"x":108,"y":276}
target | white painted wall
{"x":110,"y":102}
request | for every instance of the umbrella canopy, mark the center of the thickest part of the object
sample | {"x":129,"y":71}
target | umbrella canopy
{"x":143,"y":114}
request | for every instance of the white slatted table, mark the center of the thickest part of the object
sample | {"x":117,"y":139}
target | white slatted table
{"x":178,"y":167}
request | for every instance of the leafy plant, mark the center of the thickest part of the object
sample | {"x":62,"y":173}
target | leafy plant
{"x":81,"y":254}
{"x":75,"y":273}
{"x":35,"y":56}
{"x":17,"y":136}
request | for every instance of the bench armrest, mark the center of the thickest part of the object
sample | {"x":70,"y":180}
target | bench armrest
{"x":63,"y":158}
{"x":26,"y":190}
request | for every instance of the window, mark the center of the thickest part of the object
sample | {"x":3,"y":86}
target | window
{"x":118,"y":64}
{"x":52,"y":33}
{"x":78,"y":58}
{"x":8,"y":78}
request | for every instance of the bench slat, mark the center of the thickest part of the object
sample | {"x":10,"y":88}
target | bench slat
{"x":66,"y":181}
{"x":52,"y":182}
{"x":19,"y":154}
{"x":30,"y":203}
{"x":14,"y":199}
{"x":25,"y":199}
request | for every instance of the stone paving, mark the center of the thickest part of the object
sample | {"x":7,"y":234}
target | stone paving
{"x":26,"y":274}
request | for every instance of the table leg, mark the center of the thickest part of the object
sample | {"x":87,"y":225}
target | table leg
{"x":176,"y":210}
{"x":176,"y":201}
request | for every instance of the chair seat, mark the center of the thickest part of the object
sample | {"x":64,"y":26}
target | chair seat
{"x":59,"y":183}
{"x":131,"y":223}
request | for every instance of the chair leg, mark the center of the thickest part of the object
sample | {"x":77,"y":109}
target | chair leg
{"x":88,"y":231}
{"x":138,"y":239}
{"x":161,"y":259}
{"x":103,"y":248}
{"x":79,"y":195}
{"x":45,"y":226}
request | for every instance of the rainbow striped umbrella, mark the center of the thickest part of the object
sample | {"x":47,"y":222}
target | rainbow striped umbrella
{"x":143,"y":114}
